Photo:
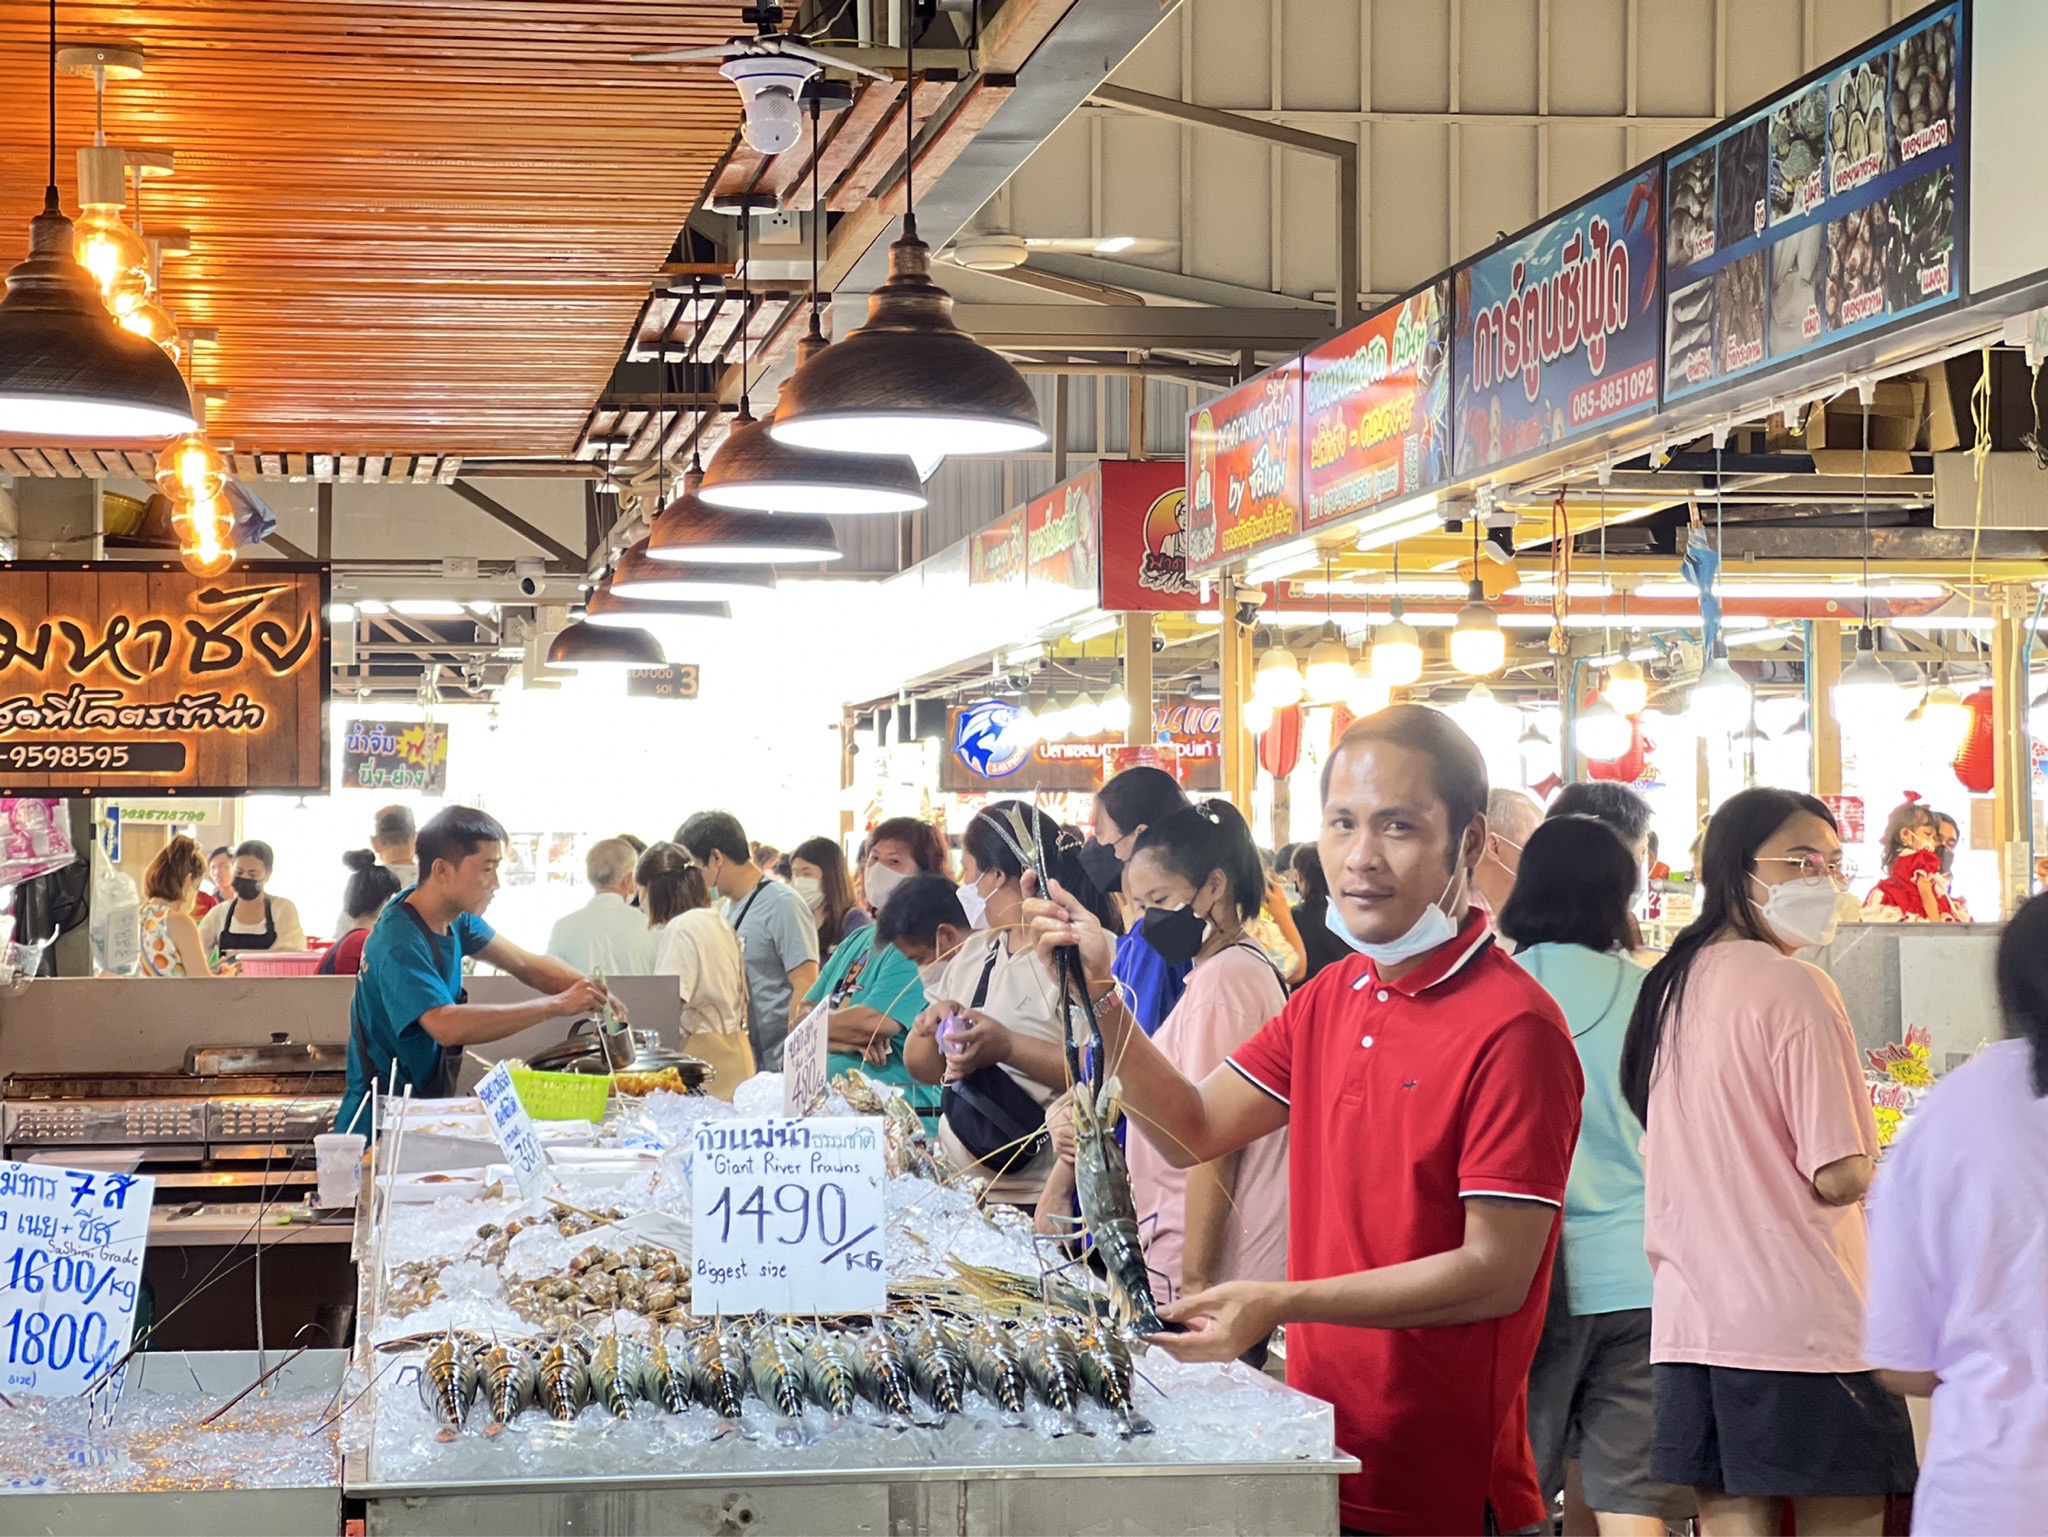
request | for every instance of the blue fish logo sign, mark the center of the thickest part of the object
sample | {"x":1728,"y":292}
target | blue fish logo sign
{"x":983,"y":740}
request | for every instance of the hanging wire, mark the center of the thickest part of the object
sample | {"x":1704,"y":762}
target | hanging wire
{"x":817,"y":211}
{"x":1606,"y":631}
{"x":50,"y":193}
{"x":1866,"y":404}
{"x":910,"y":125}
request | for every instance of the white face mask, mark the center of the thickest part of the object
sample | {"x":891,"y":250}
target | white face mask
{"x":1431,"y":928}
{"x":879,"y":881}
{"x":929,"y":974}
{"x":807,"y":887}
{"x":974,"y":904}
{"x":1801,"y":912}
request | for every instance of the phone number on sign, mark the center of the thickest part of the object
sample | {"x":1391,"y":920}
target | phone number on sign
{"x":91,"y":757}
{"x":1607,"y":396}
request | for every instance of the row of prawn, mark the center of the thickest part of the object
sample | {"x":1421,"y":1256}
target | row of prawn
{"x":912,"y":1370}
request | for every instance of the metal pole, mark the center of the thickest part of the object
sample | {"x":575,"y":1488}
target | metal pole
{"x":1823,"y":672}
{"x":1137,"y":650}
{"x":2012,"y":760}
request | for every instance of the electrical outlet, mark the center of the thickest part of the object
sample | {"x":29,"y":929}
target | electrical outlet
{"x":779,"y":228}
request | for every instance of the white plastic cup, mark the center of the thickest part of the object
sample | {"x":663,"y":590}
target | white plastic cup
{"x":338,"y":1159}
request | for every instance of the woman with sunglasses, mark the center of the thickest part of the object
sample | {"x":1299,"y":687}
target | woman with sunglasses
{"x":1759,"y":1147}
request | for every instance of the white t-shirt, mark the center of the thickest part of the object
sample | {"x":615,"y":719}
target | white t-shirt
{"x":1958,"y":1252}
{"x":605,"y":935}
{"x":1023,"y":997}
{"x":699,"y":949}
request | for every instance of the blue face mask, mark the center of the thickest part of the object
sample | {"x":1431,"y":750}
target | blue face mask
{"x":1431,"y":928}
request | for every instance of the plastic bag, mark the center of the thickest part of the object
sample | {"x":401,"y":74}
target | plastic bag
{"x":116,"y":927}
{"x":35,"y":838}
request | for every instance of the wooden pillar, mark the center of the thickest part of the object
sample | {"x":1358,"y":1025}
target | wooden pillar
{"x":1135,"y":420}
{"x":847,"y":818}
{"x":1137,"y":649}
{"x":1823,"y":672}
{"x":1240,"y":752}
{"x":2012,"y":753}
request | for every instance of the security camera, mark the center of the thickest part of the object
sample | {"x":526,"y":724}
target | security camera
{"x":532,"y":586}
{"x":769,"y":84}
{"x":531,"y":576}
{"x":1158,"y":643}
{"x":1247,"y":612}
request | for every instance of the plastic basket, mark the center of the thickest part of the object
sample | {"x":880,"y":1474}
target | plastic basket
{"x":562,"y":1096}
{"x":278,"y":963}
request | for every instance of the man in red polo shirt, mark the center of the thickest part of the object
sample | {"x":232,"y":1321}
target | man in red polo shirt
{"x":1431,"y":1095}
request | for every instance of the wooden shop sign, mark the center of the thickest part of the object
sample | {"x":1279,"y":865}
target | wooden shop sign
{"x":136,"y":678}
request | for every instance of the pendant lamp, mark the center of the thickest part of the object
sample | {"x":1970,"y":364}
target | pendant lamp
{"x":587,"y":646}
{"x":607,"y":608}
{"x":1396,"y":655}
{"x":1721,"y":699}
{"x":67,"y":369}
{"x":1628,"y":688}
{"x":1602,"y":731}
{"x":640,"y":575}
{"x":1478,"y":645}
{"x":688,"y":530}
{"x":1867,"y":696}
{"x":1276,"y":680}
{"x":910,"y":381}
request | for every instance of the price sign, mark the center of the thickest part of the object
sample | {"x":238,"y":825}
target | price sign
{"x":788,"y":1216}
{"x":803,"y":1060}
{"x":71,"y":1243}
{"x":512,"y":1127}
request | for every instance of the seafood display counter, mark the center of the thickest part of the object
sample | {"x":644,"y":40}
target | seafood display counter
{"x":537,"y":1367}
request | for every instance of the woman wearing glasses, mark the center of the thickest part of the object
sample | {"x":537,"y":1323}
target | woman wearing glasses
{"x":1758,"y":1149}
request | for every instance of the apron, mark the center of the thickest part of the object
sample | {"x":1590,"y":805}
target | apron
{"x":230,"y":940}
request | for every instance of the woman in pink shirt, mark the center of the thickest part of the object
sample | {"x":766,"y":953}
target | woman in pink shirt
{"x":1759,"y":1146}
{"x":1196,"y":879}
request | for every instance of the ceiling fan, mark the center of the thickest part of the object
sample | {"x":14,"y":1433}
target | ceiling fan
{"x":771,"y":68}
{"x":998,"y":250}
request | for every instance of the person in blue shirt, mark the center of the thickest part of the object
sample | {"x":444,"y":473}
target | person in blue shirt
{"x":1125,"y":806}
{"x":410,"y":1017}
{"x":1589,"y":1385}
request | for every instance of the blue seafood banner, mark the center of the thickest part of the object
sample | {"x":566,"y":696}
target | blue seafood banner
{"x":1828,"y":212}
{"x":1557,"y":332}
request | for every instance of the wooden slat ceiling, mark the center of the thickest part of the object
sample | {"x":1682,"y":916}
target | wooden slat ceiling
{"x":417,"y":229}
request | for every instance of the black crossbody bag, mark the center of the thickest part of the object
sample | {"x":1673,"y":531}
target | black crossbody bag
{"x":994,"y":1116}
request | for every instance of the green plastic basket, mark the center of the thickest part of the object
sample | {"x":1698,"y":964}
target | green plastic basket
{"x":562,"y":1096}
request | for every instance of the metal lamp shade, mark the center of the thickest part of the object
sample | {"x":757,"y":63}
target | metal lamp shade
{"x":67,"y":368}
{"x":910,"y":381}
{"x":584,"y":644}
{"x":752,"y":472}
{"x":640,"y":575}
{"x":613,"y":612}
{"x":688,"y":530}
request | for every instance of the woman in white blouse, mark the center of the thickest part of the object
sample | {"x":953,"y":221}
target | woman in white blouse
{"x":697,"y":947}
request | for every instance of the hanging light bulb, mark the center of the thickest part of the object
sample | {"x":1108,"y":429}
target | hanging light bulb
{"x":101,"y":240}
{"x":191,"y":469}
{"x":1482,"y":717}
{"x":910,"y":381}
{"x":1603,"y":731}
{"x":153,"y":323}
{"x":1277,"y":678}
{"x":1327,"y":677}
{"x":206,"y":535}
{"x":1867,"y":696}
{"x":1628,"y":690}
{"x":1478,"y":644}
{"x":1087,"y":716}
{"x":1942,"y":714}
{"x":1396,"y":651}
{"x":1112,"y":711}
{"x":1366,"y":695}
{"x":1258,"y":716}
{"x":1721,"y":699}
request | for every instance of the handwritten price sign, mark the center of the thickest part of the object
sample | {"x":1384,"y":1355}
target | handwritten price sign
{"x":789,"y":1216}
{"x":512,"y":1129}
{"x":804,"y":1056}
{"x":71,"y":1243}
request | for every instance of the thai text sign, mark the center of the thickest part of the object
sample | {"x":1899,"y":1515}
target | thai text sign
{"x":395,"y":755}
{"x":71,"y":1244}
{"x":1376,"y":406}
{"x":787,"y":1216}
{"x":1824,"y":214}
{"x":1061,"y":539}
{"x":1557,"y":329}
{"x":132,"y":678}
{"x":1144,"y":559}
{"x":804,"y":1056}
{"x":512,"y":1129}
{"x":1244,"y":468}
{"x":996,"y":553}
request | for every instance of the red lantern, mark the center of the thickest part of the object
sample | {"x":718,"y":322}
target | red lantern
{"x":1280,"y":747}
{"x":1973,"y":759}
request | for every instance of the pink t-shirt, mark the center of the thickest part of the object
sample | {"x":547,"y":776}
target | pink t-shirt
{"x":1958,"y":1250}
{"x":1229,"y":997}
{"x":1756,"y":1088}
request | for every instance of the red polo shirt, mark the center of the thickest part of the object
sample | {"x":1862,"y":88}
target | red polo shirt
{"x":1404,"y":1097}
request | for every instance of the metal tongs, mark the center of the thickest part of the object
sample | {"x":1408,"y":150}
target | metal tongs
{"x":616,"y":1035}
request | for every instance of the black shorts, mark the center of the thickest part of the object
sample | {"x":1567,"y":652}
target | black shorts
{"x":1791,"y":1434}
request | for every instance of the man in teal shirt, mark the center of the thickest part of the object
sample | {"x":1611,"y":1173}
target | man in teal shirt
{"x":410,"y":1017}
{"x":876,"y":992}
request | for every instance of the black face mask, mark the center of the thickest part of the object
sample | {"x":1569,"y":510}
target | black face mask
{"x":247,"y":888}
{"x":1100,"y":864}
{"x":1174,"y":933}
